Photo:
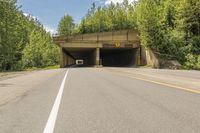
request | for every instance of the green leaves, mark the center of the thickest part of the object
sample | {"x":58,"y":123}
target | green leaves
{"x":23,"y":40}
{"x":40,"y":52}
{"x":189,"y":16}
{"x":171,"y":28}
{"x":192,"y":62}
{"x":108,"y":18}
{"x":8,"y":15}
{"x":66,"y":25}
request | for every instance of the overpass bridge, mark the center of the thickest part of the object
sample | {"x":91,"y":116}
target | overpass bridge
{"x":117,"y":48}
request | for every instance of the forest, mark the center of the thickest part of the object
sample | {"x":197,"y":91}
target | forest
{"x":171,"y":28}
{"x":24,"y":43}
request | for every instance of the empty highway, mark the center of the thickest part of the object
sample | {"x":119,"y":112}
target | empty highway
{"x":101,"y":100}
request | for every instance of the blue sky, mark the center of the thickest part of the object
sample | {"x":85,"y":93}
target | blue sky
{"x":49,"y":12}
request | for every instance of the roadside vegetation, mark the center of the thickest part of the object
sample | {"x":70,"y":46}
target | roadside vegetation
{"x":46,"y":68}
{"x":24,"y":43}
{"x":171,"y":28}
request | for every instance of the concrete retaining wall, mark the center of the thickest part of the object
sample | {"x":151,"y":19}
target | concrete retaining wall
{"x":149,"y":58}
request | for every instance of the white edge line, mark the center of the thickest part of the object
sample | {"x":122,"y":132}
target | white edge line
{"x":49,"y":128}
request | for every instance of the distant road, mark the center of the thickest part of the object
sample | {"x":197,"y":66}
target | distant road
{"x":101,"y":100}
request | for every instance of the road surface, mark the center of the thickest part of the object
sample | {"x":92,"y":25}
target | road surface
{"x":101,"y":100}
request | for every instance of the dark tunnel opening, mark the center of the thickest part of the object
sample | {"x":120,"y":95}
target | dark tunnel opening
{"x":87,"y":55}
{"x":108,"y":57}
{"x":118,"y":57}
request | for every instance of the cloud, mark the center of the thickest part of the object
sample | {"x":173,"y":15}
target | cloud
{"x":50,"y":29}
{"x":99,"y":2}
{"x":116,"y":1}
{"x":34,"y":17}
{"x":46,"y":27}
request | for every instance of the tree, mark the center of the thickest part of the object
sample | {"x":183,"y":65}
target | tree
{"x":66,"y":25}
{"x":16,"y":37}
{"x":150,"y":25}
{"x":40,"y":52}
{"x":189,"y":22}
{"x":8,"y":32}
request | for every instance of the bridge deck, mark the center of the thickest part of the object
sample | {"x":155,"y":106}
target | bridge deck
{"x":125,"y":36}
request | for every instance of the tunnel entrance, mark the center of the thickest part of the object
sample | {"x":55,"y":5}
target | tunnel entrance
{"x":88,"y":55}
{"x":111,"y":57}
{"x":121,"y":57}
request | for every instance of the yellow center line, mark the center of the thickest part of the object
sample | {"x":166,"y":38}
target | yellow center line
{"x":152,"y":81}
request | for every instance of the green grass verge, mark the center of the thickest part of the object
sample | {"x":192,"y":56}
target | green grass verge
{"x":45,"y":68}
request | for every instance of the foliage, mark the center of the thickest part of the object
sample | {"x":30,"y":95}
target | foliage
{"x":108,"y":18}
{"x":198,"y":62}
{"x":18,"y":33}
{"x":188,"y":21}
{"x":40,"y":52}
{"x":66,"y":25}
{"x":193,"y":62}
{"x":45,"y":68}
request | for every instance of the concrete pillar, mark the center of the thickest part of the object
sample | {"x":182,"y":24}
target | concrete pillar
{"x":62,"y":57}
{"x":65,"y":59}
{"x":138,"y":57}
{"x":97,"y":56}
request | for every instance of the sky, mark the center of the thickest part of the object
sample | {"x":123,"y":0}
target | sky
{"x":49,"y":12}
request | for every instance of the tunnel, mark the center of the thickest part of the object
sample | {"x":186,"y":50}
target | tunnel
{"x":108,"y":57}
{"x":122,"y":57}
{"x":86,"y":54}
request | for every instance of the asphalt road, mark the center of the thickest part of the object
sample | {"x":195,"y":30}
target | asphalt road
{"x":101,"y":100}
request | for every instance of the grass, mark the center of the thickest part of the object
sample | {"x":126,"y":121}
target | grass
{"x":45,"y":68}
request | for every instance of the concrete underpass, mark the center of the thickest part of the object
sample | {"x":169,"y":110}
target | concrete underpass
{"x":86,"y":54}
{"x":115,"y":57}
{"x":115,"y":49}
{"x":124,"y":57}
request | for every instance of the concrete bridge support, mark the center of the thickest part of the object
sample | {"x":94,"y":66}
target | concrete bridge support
{"x":97,"y":57}
{"x":65,"y":59}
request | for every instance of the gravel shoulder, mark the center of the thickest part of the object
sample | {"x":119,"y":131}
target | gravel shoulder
{"x":7,"y":75}
{"x":14,"y":85}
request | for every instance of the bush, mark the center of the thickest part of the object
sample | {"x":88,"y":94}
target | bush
{"x":193,"y":62}
{"x":198,"y":62}
{"x":190,"y":63}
